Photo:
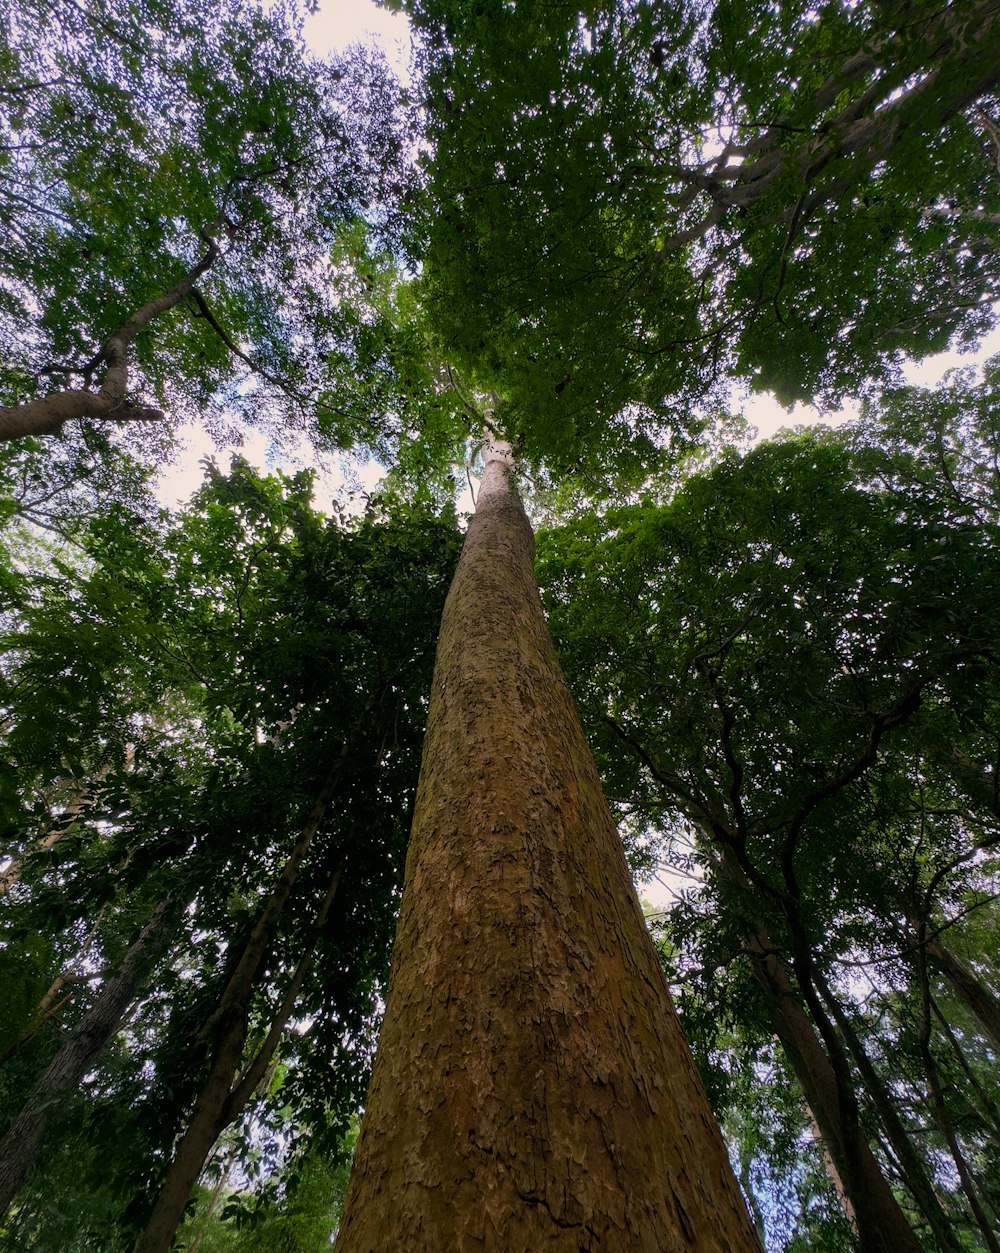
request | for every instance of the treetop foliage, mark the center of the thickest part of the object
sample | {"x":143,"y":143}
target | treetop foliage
{"x":636,"y":203}
{"x":176,"y":174}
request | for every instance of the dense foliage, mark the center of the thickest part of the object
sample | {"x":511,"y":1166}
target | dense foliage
{"x":158,"y":187}
{"x":602,"y":220}
{"x":175,"y":702}
{"x":791,"y":668}
{"x":635,"y":203}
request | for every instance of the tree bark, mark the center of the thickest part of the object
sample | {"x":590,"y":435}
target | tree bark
{"x":83,"y":1045}
{"x":82,"y":797}
{"x":938,"y":1104}
{"x":49,"y":1006}
{"x":532,"y":1087}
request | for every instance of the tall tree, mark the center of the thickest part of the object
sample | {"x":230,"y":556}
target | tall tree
{"x":624,"y":204}
{"x":532,"y":1085}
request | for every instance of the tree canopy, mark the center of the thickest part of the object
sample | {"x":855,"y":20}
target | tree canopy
{"x":586,"y":229}
{"x":635,"y":203}
{"x":172,"y":224}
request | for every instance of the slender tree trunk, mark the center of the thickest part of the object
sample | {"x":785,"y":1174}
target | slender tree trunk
{"x":880,"y":1224}
{"x":83,"y":1045}
{"x":532,"y":1087}
{"x":942,"y":1117}
{"x":227,"y":1089}
{"x":48,"y":1007}
{"x":827,"y":1087}
{"x":912,"y":1167}
{"x":987,"y":1106}
{"x":213,"y":1203}
{"x":975,"y":996}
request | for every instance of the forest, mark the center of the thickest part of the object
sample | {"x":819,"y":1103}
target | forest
{"x":544,"y":273}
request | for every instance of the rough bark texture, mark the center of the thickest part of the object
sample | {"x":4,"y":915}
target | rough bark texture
{"x":532,"y":1088}
{"x":83,"y":1045}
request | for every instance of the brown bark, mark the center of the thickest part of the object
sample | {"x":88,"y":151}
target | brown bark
{"x":12,"y":874}
{"x":83,"y":1045}
{"x":532,"y":1087}
{"x":47,"y":414}
{"x":83,"y":796}
{"x":944,"y":73}
{"x":49,"y":1006}
{"x":227,"y":1088}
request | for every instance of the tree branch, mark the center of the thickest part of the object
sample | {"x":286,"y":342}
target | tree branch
{"x":48,"y":414}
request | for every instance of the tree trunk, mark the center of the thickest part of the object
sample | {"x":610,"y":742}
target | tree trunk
{"x":532,"y":1087}
{"x":938,"y":1104}
{"x":911,"y":1165}
{"x":227,"y":1088}
{"x":880,"y":1224}
{"x":83,"y":1045}
{"x":977,"y":998}
{"x":82,"y":797}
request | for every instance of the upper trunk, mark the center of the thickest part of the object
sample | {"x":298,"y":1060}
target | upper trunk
{"x":532,"y":1087}
{"x":978,"y":998}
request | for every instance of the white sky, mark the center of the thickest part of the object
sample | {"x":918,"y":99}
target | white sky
{"x":768,"y":416}
{"x":337,"y":23}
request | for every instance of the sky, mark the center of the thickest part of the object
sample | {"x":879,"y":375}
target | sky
{"x":335,"y":25}
{"x":338,"y":23}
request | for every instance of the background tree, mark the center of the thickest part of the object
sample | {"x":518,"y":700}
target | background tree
{"x":262,"y":639}
{"x":792,"y":658}
{"x":212,"y":296}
